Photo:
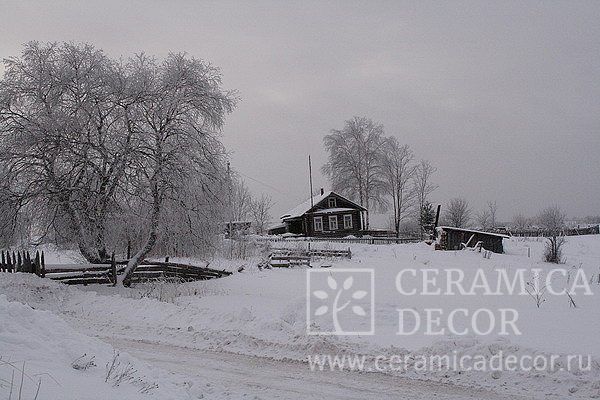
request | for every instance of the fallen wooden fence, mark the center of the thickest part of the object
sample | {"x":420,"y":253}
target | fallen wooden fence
{"x":319,"y":253}
{"x":287,"y":261}
{"x":84,"y":274}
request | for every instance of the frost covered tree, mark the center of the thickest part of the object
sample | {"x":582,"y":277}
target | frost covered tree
{"x":423,"y":186}
{"x":241,"y":200}
{"x":180,"y":110}
{"x":397,"y":171}
{"x":552,"y":220}
{"x":354,"y":162}
{"x":93,"y":144}
{"x":492,"y":208}
{"x":65,"y":138}
{"x":261,"y":212}
{"x":519,"y":221}
{"x":483,"y":219}
{"x":458,"y":213}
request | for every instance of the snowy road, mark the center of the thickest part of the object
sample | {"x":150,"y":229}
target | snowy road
{"x":227,"y":375}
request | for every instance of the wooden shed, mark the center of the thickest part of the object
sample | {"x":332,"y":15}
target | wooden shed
{"x":452,"y":238}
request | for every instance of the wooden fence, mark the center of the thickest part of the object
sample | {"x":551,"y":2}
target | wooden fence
{"x":592,"y":230}
{"x":84,"y":274}
{"x":361,"y":240}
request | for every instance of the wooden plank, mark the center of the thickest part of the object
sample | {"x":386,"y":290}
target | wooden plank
{"x":86,"y":281}
{"x":55,"y":268}
{"x":77,"y":276}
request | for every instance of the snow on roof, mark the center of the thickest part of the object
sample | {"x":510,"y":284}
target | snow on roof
{"x":332,"y":210}
{"x":473,"y":231}
{"x":277,"y":225}
{"x":303,"y":208}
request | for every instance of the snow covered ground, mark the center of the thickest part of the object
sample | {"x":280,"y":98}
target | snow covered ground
{"x":262,"y":315}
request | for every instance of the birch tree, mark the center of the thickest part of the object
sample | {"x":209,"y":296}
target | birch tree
{"x":423,"y":186}
{"x":458,"y":213}
{"x":354,"y":162}
{"x":552,"y":219}
{"x":261,"y":215}
{"x":181,"y":109}
{"x":492,"y":208}
{"x":397,"y":171}
{"x":65,"y":144}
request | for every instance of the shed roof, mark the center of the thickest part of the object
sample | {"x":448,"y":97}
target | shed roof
{"x":453,"y":228}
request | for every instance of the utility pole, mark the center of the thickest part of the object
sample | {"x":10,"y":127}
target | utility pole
{"x":230,"y":200}
{"x":310,"y":179}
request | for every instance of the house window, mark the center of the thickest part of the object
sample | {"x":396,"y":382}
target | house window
{"x":348,"y":221}
{"x":331,"y":202}
{"x":333,"y":223}
{"x":318,"y":224}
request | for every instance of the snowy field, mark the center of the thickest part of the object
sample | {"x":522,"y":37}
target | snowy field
{"x":223,"y":328}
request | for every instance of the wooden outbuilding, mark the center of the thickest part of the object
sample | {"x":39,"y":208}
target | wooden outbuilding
{"x":452,"y":238}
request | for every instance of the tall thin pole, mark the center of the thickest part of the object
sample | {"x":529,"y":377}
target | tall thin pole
{"x":310,"y":179}
{"x":230,"y":200}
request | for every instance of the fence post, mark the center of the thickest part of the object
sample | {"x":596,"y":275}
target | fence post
{"x":9,"y":262}
{"x":3,"y":263}
{"x":167,"y":259}
{"x":19,"y":262}
{"x":38,"y":267}
{"x":43,"y":265}
{"x":128,"y":249}
{"x":113,"y":269}
{"x":27,"y":262}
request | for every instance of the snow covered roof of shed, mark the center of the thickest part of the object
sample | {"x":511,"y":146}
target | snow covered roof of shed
{"x":453,"y":228}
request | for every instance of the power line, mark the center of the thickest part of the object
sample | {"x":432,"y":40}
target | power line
{"x":266,"y":185}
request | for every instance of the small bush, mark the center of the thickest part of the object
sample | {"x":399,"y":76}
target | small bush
{"x":553,"y":249}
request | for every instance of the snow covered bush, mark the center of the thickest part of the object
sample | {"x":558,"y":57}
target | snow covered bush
{"x":552,"y":219}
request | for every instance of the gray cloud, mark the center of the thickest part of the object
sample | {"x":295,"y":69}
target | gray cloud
{"x":503,"y":97}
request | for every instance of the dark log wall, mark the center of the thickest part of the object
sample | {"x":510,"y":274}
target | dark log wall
{"x":489,"y":242}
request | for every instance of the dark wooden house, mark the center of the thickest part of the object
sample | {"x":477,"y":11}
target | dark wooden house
{"x":451,"y":238}
{"x":327,"y":214}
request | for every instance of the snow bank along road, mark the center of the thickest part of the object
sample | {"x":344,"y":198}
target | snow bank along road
{"x":261,"y":378}
{"x":239,"y":333}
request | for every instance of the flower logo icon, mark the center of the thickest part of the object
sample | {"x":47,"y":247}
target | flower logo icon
{"x":337,"y":292}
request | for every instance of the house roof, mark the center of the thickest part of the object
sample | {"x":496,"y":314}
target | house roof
{"x":453,"y":228}
{"x":306,"y":206}
{"x":332,"y":210}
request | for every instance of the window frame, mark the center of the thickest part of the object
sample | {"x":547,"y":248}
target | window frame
{"x":333,"y":218}
{"x":315,"y":219}
{"x":350,"y":225}
{"x":330,"y":201}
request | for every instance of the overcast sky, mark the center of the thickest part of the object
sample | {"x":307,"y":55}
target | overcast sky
{"x":503,"y":97}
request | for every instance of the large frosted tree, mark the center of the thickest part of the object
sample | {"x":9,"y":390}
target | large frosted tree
{"x":65,"y":137}
{"x":181,"y":109}
{"x":354,"y":162}
{"x":95,"y":144}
